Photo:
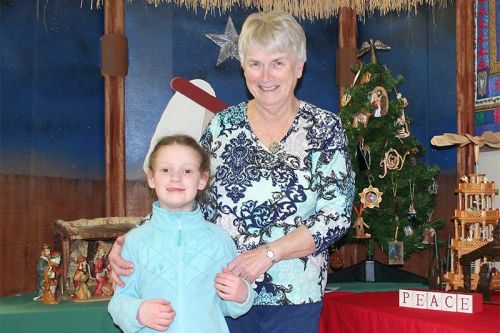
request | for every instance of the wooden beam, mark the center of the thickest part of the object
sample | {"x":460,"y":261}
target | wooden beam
{"x":114,"y":100}
{"x":347,"y":36}
{"x":465,"y":79}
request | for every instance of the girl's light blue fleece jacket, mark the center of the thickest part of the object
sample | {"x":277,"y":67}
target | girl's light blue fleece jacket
{"x":176,"y":257}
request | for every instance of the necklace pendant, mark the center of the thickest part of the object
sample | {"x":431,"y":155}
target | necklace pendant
{"x":274,"y":147}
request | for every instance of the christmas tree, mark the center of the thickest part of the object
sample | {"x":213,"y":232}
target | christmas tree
{"x":396,"y":192}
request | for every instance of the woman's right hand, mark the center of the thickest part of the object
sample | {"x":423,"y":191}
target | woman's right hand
{"x":119,"y":266}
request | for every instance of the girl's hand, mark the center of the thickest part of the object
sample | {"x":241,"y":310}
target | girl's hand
{"x":156,"y":314}
{"x":231,"y":287}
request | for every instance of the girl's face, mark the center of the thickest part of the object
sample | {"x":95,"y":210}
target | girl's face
{"x":271,"y":77}
{"x":176,"y":177}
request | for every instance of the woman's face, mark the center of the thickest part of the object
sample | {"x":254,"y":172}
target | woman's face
{"x":271,"y":77}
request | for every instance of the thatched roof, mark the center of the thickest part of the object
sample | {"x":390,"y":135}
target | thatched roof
{"x":303,"y":9}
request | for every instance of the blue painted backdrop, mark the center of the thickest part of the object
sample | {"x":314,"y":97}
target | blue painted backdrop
{"x":51,"y":90}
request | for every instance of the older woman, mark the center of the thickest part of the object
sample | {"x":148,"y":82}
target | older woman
{"x":282,"y":182}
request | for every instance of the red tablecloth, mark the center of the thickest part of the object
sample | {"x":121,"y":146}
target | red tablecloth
{"x":345,"y":312}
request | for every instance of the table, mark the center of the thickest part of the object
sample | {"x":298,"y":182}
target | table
{"x":20,"y":314}
{"x":346,"y":312}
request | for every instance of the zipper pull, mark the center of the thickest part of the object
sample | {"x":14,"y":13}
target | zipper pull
{"x":179,"y":230}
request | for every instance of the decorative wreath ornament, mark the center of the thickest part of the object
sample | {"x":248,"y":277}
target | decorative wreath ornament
{"x":371,"y":197}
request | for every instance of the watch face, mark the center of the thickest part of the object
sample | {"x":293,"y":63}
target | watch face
{"x":270,"y":254}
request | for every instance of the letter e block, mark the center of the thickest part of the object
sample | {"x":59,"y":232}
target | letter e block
{"x":469,"y":303}
{"x":420,"y":299}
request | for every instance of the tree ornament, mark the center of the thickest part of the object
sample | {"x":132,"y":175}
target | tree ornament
{"x":372,"y":46}
{"x":359,"y":224}
{"x":346,"y":98}
{"x":371,"y":197}
{"x":401,"y":123}
{"x":433,"y":187}
{"x":363,"y":154}
{"x":412,"y":212}
{"x":428,"y":236}
{"x":402,"y":99}
{"x":395,"y":253}
{"x":394,"y":210}
{"x":392,"y":161}
{"x":367,"y":76}
{"x":361,"y":117}
{"x":379,"y":101}
{"x":408,"y":231}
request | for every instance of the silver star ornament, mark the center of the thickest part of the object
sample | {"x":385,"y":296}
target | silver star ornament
{"x":228,"y":43}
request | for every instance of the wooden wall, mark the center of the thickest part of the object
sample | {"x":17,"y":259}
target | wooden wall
{"x":29,"y":205}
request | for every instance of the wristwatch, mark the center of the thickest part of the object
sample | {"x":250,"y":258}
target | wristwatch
{"x":270,"y":254}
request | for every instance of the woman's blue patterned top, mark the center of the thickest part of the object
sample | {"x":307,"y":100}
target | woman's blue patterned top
{"x":259,"y":196}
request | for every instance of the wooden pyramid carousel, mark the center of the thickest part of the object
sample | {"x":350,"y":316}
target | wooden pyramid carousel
{"x":475,"y":246}
{"x":474,"y":221}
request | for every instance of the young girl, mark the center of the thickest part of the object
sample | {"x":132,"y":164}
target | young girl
{"x":177,"y":256}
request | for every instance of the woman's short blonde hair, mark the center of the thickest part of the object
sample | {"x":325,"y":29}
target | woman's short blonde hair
{"x":273,"y":31}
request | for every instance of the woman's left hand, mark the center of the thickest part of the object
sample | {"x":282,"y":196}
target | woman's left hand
{"x":251,"y":264}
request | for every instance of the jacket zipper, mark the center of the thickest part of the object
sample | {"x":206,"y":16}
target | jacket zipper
{"x":180,"y":275}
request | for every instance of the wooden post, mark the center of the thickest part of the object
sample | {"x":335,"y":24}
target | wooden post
{"x":347,"y":40}
{"x":465,"y":85}
{"x":114,"y":100}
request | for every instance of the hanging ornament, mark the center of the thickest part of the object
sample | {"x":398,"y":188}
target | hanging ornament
{"x":372,"y":46}
{"x":428,"y":236}
{"x":361,"y":117}
{"x":429,"y":232}
{"x":360,"y":225}
{"x":433,"y":187}
{"x":395,"y":250}
{"x":402,"y":124}
{"x":379,"y":101}
{"x":371,"y":197}
{"x":346,"y":98}
{"x":363,"y":154}
{"x":403,"y":130}
{"x":394,"y":210}
{"x":403,"y":100}
{"x":366,"y":77}
{"x":414,"y":153}
{"x":412,"y":212}
{"x":392,"y":161}
{"x":408,"y":230}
